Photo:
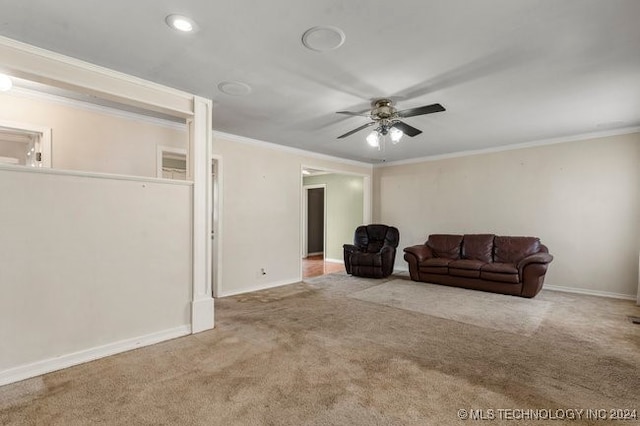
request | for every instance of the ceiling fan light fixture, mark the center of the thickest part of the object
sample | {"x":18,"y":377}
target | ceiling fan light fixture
{"x":373,"y":139}
{"x":181,"y":23}
{"x":395,"y":134}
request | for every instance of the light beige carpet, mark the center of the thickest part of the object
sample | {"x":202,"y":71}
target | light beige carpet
{"x":307,"y":354}
{"x":480,"y":309}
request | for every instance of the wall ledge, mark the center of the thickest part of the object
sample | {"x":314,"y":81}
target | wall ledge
{"x":94,"y":175}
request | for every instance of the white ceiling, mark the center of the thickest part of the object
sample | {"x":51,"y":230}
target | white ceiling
{"x":507,"y":71}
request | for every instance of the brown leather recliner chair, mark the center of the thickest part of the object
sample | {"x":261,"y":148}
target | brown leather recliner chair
{"x":373,"y":251}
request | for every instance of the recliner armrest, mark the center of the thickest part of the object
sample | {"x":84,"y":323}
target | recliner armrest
{"x":535,"y":258}
{"x":350,"y":248}
{"x":421,"y":252}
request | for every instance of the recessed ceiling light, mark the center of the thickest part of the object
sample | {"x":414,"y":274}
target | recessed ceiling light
{"x":234,"y":88}
{"x":5,"y":83}
{"x":323,"y":38}
{"x":181,"y":23}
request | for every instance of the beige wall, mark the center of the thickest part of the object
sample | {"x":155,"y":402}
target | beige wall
{"x":94,"y":141}
{"x":262,"y":193}
{"x":344,"y":198}
{"x":581,"y":198}
{"x":87,"y":262}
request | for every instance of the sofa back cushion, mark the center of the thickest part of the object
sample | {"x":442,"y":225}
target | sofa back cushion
{"x":445,"y":245}
{"x":512,"y":249}
{"x":478,"y":247}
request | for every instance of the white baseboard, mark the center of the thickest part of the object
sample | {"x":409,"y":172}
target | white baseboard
{"x":317,"y":253}
{"x":590,"y":292}
{"x":334,"y":260}
{"x":38,"y":368}
{"x":264,"y":286}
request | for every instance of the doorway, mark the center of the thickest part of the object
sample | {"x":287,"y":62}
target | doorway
{"x":315,"y":221}
{"x":346,"y":205}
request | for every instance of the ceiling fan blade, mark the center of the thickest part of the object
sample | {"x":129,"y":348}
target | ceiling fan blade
{"x":406,"y":129}
{"x":358,"y":114}
{"x":427,"y":109}
{"x":357,"y":130}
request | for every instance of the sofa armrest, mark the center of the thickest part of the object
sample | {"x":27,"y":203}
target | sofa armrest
{"x":421,"y":252}
{"x":532,"y":270}
{"x":543,"y":258}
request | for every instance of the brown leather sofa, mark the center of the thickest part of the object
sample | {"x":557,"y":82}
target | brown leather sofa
{"x":373,"y":251}
{"x":507,"y":265}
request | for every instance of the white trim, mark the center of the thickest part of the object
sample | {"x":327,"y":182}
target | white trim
{"x":291,"y":150}
{"x":334,"y":260}
{"x":317,"y":253}
{"x":202,"y":308}
{"x":94,"y":175}
{"x":260,"y":287}
{"x":217,"y":228}
{"x":103,"y":109}
{"x":532,"y":144}
{"x":587,"y":292}
{"x":68,"y":360}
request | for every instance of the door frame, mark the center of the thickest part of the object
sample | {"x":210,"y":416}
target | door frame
{"x":305,"y":219}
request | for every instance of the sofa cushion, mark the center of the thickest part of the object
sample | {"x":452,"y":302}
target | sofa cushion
{"x":469,"y":273}
{"x":465,"y":268}
{"x":503,"y":272}
{"x":478,"y":247}
{"x":500,"y":268}
{"x":445,"y":245}
{"x":505,"y":278}
{"x":435,"y":265}
{"x":513,"y":249}
{"x":468,"y":264}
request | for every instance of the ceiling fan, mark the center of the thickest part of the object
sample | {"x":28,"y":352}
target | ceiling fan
{"x":387,"y":118}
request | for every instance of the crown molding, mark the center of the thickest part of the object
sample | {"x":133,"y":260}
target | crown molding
{"x":524,"y":145}
{"x":288,"y":149}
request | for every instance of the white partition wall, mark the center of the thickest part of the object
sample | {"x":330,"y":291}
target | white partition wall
{"x":89,"y":266}
{"x":94,"y":264}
